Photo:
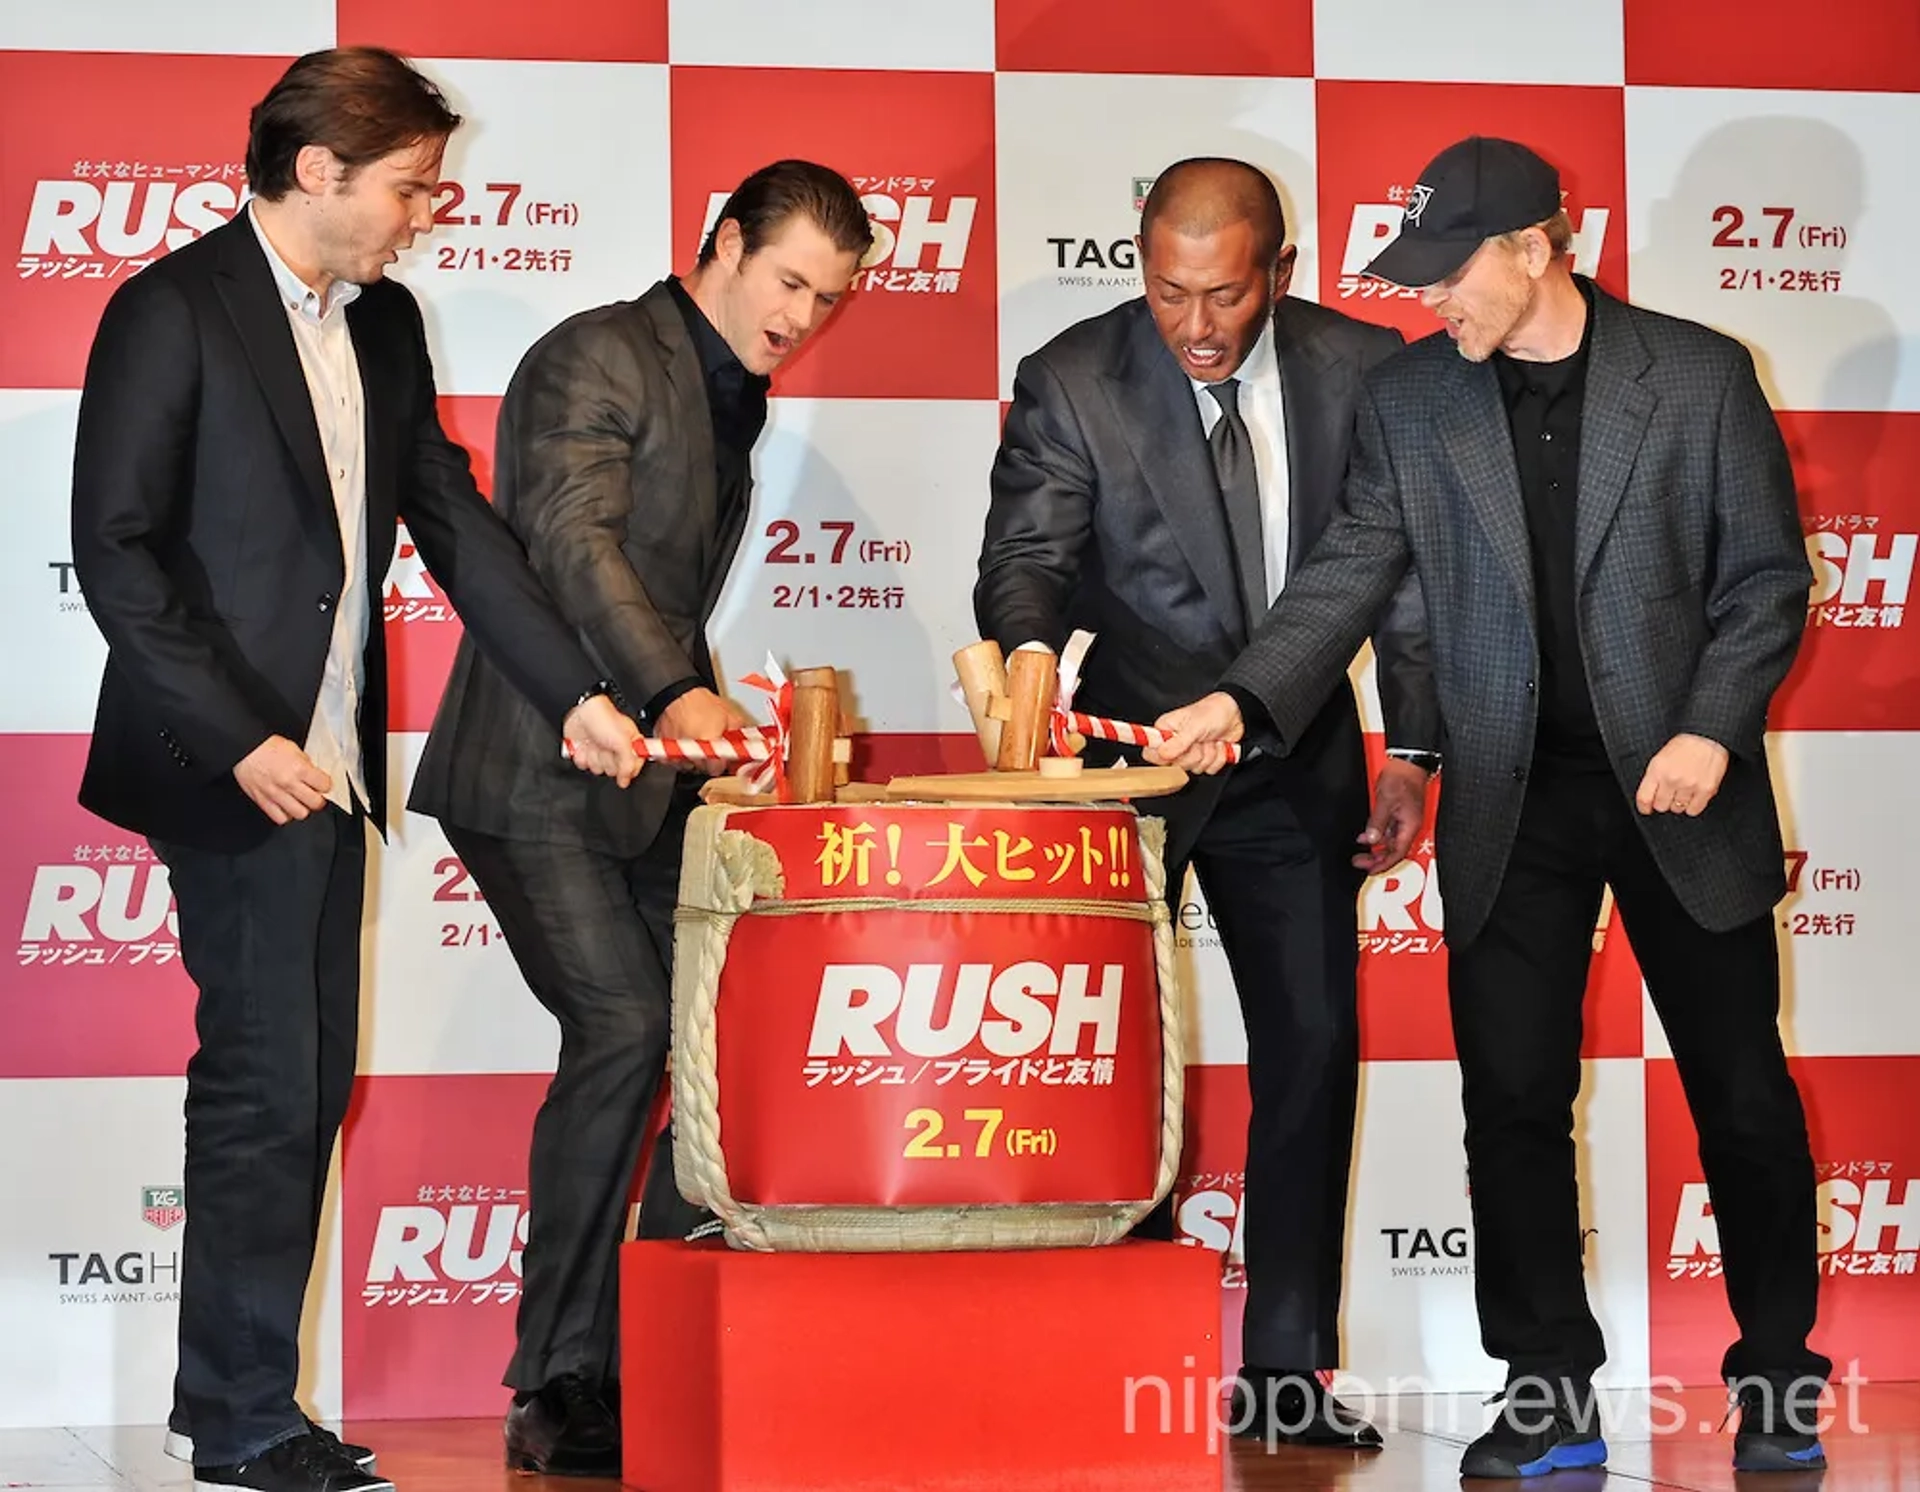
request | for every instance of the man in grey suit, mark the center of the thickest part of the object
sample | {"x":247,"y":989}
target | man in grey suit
{"x":623,"y":458}
{"x":1599,"y":508}
{"x":1164,"y":467}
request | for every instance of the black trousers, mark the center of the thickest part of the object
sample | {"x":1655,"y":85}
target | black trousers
{"x":1516,"y":992}
{"x":1288,"y":926}
{"x":593,"y":937}
{"x":271,"y":938}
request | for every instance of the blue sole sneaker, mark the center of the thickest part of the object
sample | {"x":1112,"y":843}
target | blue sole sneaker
{"x":1565,"y":1455}
{"x":1777,"y":1453}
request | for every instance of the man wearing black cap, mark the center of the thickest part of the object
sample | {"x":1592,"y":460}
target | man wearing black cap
{"x":1599,"y":507}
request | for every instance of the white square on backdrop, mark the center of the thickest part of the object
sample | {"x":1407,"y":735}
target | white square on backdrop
{"x":1786,"y":220}
{"x":561,"y":204}
{"x":942,"y":35}
{"x":1471,"y":41}
{"x":1078,"y":150}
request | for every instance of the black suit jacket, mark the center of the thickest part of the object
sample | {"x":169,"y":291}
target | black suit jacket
{"x":207,"y":542}
{"x":1690,"y":575}
{"x":1106,"y":516}
{"x":605,"y":469}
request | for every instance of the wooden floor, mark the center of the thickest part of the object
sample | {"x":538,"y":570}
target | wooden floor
{"x":1879,"y":1451}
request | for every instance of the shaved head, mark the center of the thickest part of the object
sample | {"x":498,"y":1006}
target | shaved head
{"x":1197,"y":198}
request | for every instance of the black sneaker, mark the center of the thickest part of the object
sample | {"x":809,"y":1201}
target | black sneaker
{"x":179,"y":1446}
{"x":1542,"y":1427}
{"x":306,"y":1463}
{"x":1779,"y":1427}
{"x":568,"y":1428}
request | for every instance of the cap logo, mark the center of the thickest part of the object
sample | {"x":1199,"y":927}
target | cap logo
{"x":1417,"y":201}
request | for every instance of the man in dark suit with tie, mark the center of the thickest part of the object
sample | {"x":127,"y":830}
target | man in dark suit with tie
{"x":623,"y":463}
{"x":1598,"y":506}
{"x":1163,"y":468}
{"x":258,"y":413}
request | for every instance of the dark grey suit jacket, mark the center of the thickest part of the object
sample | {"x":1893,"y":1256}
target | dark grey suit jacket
{"x":605,"y":469}
{"x":1691,"y":577}
{"x":1106,"y":515}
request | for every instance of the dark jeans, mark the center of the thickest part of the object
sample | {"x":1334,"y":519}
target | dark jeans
{"x":272,"y":939}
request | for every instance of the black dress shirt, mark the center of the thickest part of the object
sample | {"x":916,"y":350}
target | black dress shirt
{"x":1545,"y":411}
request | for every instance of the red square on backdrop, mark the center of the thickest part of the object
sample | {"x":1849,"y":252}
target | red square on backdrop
{"x":579,"y":31}
{"x":1866,"y":1161}
{"x":423,"y":632}
{"x":1866,"y":45}
{"x":111,"y":161}
{"x":1216,"y":37}
{"x":1859,"y":656}
{"x":93,"y":985}
{"x":919,"y":147}
{"x":1376,"y":137}
{"x":1404,"y":1015}
{"x":434,"y":1210}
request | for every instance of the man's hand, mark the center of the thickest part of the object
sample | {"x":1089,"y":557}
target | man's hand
{"x":600,"y":740}
{"x":1399,"y":808}
{"x":282,"y":781}
{"x":702,"y":715}
{"x":1683,"y":777}
{"x":1198,"y":734}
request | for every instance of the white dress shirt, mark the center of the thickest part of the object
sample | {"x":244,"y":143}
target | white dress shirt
{"x":333,"y":381}
{"x":1263,"y":408}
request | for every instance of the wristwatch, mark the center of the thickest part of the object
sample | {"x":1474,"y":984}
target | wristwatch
{"x":1426,"y":761}
{"x":599,"y":687}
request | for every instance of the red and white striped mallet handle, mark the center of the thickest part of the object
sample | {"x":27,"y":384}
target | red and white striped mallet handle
{"x":1125,"y":732}
{"x":751,"y":743}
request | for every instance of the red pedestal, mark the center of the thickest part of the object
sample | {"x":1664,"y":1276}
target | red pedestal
{"x":992,"y":1372}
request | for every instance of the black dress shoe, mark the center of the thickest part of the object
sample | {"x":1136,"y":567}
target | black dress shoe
{"x":568,"y":1428}
{"x":1295,"y":1409}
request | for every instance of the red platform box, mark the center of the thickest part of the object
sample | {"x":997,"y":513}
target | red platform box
{"x":1048,"y":1368}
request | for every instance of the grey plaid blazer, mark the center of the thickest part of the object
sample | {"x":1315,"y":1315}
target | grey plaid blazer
{"x":1692,"y":582}
{"x":604,"y":468}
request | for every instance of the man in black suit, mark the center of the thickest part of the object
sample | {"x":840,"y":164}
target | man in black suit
{"x":1598,"y":505}
{"x":1162,"y":469}
{"x":623,"y":464}
{"x":257,"y":415}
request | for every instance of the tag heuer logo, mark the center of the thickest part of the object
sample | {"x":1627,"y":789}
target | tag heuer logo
{"x":1141,"y":186}
{"x":163,"y":1207}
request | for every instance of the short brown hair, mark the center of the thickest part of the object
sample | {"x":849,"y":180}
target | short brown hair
{"x":766,"y":200}
{"x":362,"y":103}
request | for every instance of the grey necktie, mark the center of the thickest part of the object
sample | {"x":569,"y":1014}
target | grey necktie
{"x":1233,"y":467}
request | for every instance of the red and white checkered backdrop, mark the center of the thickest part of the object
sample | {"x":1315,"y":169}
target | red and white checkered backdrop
{"x":1735,"y":161}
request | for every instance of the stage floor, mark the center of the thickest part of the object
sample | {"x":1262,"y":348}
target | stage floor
{"x":1873,"y":1446}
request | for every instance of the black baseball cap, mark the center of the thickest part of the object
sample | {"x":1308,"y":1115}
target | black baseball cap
{"x":1468,"y":193}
